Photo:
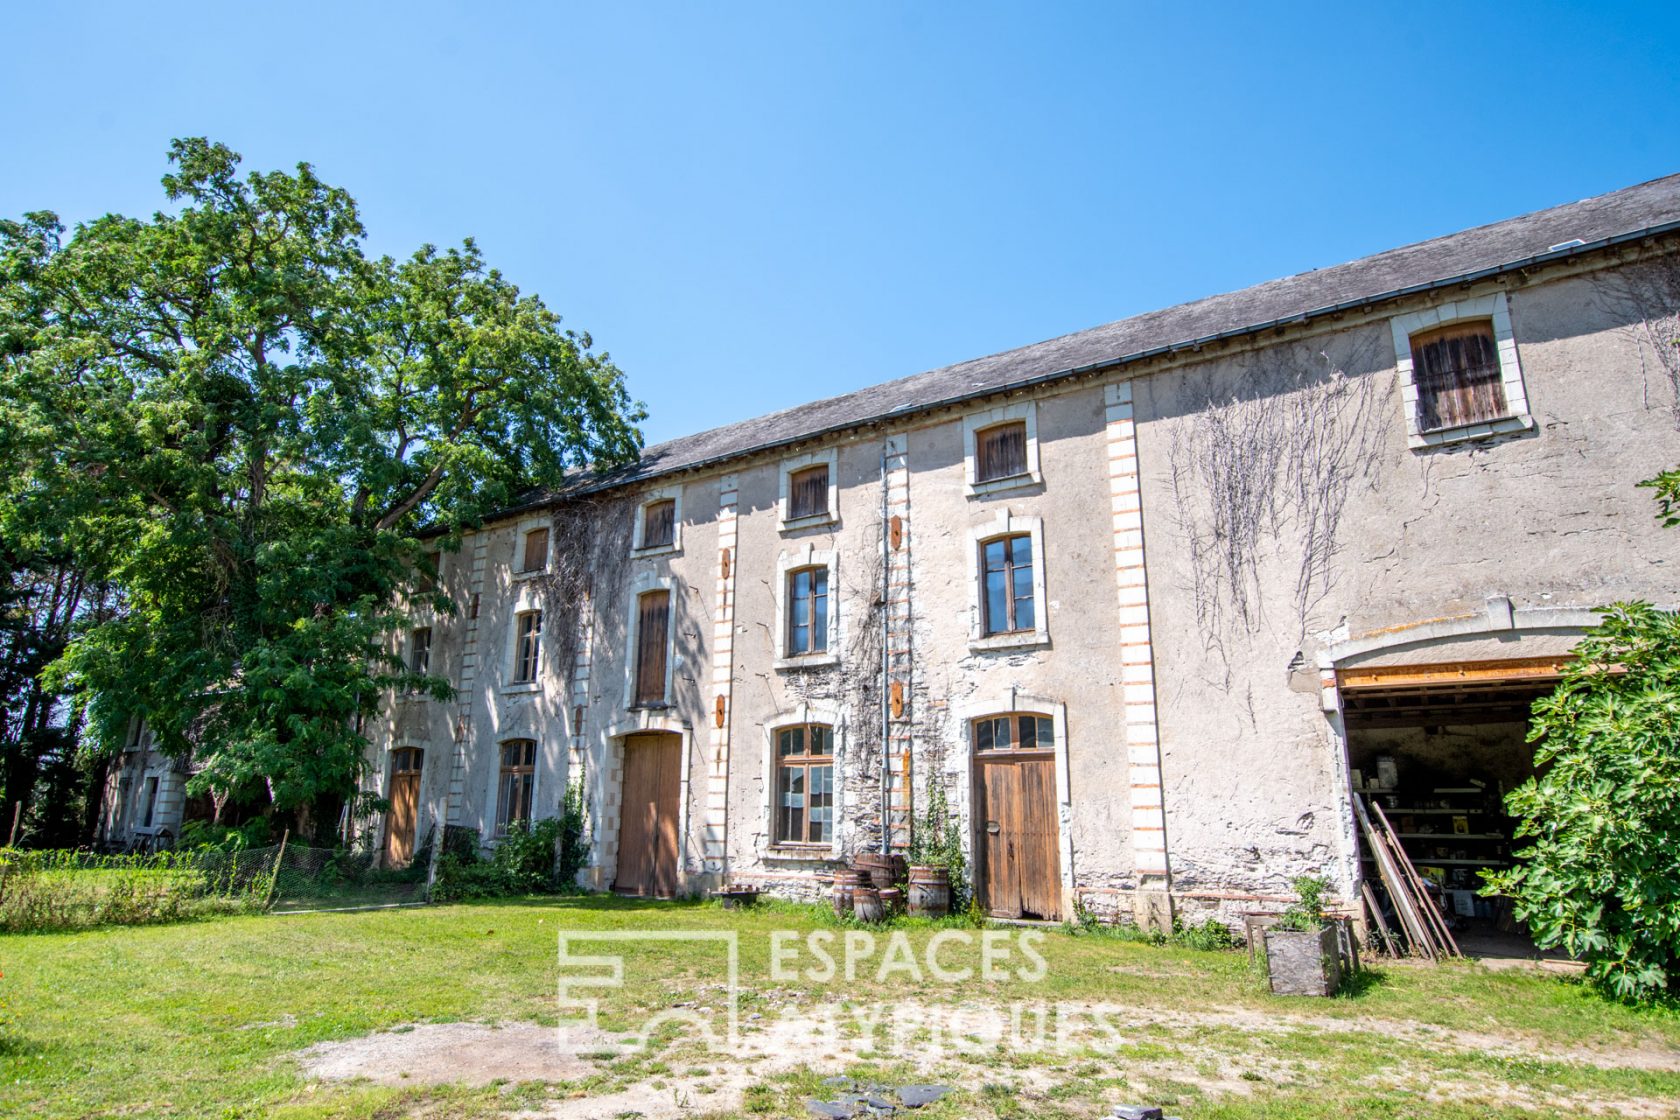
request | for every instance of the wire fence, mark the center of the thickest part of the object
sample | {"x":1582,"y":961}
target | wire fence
{"x":346,"y":879}
{"x":68,"y":890}
{"x":63,"y":890}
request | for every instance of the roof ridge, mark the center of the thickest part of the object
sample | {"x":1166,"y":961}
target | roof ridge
{"x":1492,"y":245}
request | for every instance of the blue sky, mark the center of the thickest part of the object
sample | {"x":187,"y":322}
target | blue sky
{"x":752,"y":206}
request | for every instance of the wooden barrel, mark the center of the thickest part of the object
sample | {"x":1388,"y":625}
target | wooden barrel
{"x":877,"y":868}
{"x":866,"y":904}
{"x":892,"y":901}
{"x":930,"y":892}
{"x":845,"y":881}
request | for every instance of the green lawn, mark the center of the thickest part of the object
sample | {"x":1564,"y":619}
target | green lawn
{"x":205,"y":1019}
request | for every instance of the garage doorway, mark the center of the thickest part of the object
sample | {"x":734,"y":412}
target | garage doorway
{"x":1018,"y":866}
{"x":1438,"y":747}
{"x":647,"y":833}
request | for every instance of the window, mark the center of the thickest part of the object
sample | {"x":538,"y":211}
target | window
{"x":150,"y":798}
{"x":1000,"y":449}
{"x":807,"y":611}
{"x":1019,"y":732}
{"x":1460,"y":374}
{"x":804,"y":804}
{"x":808,"y":492}
{"x":659,"y":524}
{"x":1000,"y":452}
{"x":1007,"y":595}
{"x":535,"y":558}
{"x":527,"y":646}
{"x":427,"y":570}
{"x":514,"y":787}
{"x":653,"y":619}
{"x":1457,"y":375}
{"x":420,"y":650}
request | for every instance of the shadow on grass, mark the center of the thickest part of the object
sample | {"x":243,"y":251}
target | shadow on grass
{"x":1356,"y":985}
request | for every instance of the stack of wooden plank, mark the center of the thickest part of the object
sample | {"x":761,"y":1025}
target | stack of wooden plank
{"x":1422,"y":927}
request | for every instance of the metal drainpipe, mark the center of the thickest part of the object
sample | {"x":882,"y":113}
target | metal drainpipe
{"x":886,"y":662}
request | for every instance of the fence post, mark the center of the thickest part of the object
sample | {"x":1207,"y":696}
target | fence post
{"x":274,"y":878}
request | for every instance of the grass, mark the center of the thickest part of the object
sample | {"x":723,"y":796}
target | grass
{"x":202,"y":1019}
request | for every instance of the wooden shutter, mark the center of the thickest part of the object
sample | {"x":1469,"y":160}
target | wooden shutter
{"x":659,"y":524}
{"x":651,"y":639}
{"x":536,"y":551}
{"x":1000,"y":452}
{"x":1456,"y":372}
{"x":808,"y":492}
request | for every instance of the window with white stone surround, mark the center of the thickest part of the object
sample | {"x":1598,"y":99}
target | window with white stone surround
{"x":1460,"y":376}
{"x":810,"y":490}
{"x":1006,"y":601}
{"x":807,"y":608}
{"x":1000,"y":449}
{"x":658,"y":527}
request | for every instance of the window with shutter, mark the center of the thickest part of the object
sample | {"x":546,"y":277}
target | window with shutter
{"x":652,"y":641}
{"x":1457,"y":376}
{"x":659,"y":524}
{"x":808,"y":492}
{"x":1000,"y":451}
{"x":536,"y":551}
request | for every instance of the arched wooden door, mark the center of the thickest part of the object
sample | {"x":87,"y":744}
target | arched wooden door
{"x":647,"y":830}
{"x":405,"y":805}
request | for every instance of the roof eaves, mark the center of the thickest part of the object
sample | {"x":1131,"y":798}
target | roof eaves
{"x":1454,"y":280}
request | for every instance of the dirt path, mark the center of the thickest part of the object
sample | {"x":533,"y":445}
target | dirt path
{"x":715,"y":1082}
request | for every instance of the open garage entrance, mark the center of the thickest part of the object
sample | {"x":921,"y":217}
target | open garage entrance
{"x":1438,"y":747}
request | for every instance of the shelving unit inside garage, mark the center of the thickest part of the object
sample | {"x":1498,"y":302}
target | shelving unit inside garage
{"x":1437,"y":747}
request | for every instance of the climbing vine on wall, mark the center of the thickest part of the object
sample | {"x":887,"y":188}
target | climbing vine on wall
{"x":591,"y":564}
{"x":1647,"y":297}
{"x":1264,"y":475}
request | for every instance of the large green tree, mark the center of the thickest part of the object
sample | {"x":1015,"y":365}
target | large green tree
{"x":1599,"y":876}
{"x":242,"y":421}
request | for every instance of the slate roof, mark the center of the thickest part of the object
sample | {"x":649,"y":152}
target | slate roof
{"x":1630,"y":214}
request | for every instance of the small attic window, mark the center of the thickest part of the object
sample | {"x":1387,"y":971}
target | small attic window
{"x":1456,"y":371}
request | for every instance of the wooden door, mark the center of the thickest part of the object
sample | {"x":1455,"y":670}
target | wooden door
{"x":647,"y":831}
{"x":1020,"y":872}
{"x":405,"y":804}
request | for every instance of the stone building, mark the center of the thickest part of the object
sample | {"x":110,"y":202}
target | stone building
{"x":1147,"y":601}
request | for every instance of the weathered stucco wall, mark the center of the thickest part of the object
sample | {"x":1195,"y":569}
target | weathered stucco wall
{"x":1550,"y":518}
{"x":1283,"y":511}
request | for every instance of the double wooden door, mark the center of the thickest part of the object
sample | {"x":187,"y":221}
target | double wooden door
{"x":1019,"y":873}
{"x":647,"y":831}
{"x":405,"y":806}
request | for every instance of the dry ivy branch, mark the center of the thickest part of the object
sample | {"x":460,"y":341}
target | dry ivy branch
{"x":1267,"y":474}
{"x":591,"y":564}
{"x":854,"y":685}
{"x":1648,"y":296}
